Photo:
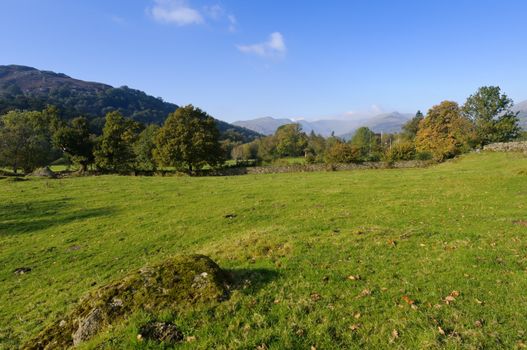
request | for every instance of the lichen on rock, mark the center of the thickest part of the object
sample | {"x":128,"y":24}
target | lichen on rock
{"x":170,"y":285}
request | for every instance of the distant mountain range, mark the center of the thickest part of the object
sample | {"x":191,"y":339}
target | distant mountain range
{"x":32,"y":89}
{"x":387,"y":122}
{"x":522,"y":109}
{"x":27,"y":88}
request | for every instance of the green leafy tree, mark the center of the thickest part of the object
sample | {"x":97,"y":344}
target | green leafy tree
{"x":25,"y":140}
{"x":75,"y":140}
{"x":114,"y":152}
{"x":189,"y":139}
{"x":445,"y":132}
{"x":144,"y":149}
{"x":410,"y":128}
{"x":290,"y":140}
{"x":491,"y":112}
{"x":367,"y":142}
{"x":266,"y":148}
{"x":246,"y":151}
{"x":316,"y":147}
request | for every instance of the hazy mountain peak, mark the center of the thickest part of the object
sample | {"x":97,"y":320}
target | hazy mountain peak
{"x":522,"y":109}
{"x":385,"y":122}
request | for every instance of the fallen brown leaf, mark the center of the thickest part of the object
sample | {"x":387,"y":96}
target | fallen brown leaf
{"x":353,"y":277}
{"x":315,"y":296}
{"x":449,"y":299}
{"x":191,"y":339}
{"x":355,"y":326}
{"x":407,"y":299}
{"x":365,"y":292}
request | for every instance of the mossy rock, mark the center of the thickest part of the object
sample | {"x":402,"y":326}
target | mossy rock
{"x":44,"y":172}
{"x":171,"y":285}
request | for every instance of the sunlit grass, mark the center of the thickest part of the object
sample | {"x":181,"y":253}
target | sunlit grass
{"x":411,"y":238}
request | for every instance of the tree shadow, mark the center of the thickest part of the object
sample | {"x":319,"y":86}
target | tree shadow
{"x":249,"y":281}
{"x":29,"y":217}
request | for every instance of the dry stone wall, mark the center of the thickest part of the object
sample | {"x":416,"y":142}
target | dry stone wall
{"x":296,"y":168}
{"x":519,"y":146}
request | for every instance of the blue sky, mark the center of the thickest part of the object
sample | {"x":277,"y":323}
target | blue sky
{"x":285,"y":58}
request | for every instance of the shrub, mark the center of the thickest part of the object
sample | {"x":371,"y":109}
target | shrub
{"x":400,"y":151}
{"x":343,"y":153}
{"x":424,"y":155}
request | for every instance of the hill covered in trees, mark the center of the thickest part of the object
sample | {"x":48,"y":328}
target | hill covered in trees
{"x":27,"y":88}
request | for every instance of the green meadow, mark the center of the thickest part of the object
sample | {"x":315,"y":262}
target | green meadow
{"x":397,"y":258}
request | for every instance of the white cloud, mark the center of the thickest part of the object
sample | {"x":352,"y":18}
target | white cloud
{"x":273,"y":47}
{"x":232,"y":23}
{"x":175,"y":11}
{"x":215,"y":11}
{"x":218,"y":14}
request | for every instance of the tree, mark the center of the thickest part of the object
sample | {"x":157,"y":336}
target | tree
{"x":404,"y":150}
{"x":445,"y":132}
{"x":367,"y":142}
{"x":411,"y":127}
{"x":316,"y":146}
{"x":290,"y":140}
{"x":25,"y":140}
{"x":491,"y":112}
{"x":75,"y":141}
{"x":266,"y":148}
{"x":188,"y":139}
{"x":144,"y":149}
{"x":341,"y":152}
{"x":114,"y":152}
{"x":246,"y":151}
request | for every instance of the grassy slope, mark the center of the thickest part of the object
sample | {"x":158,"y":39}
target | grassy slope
{"x":420,"y":233}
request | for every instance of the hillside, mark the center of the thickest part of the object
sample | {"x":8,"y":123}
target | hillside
{"x":375,"y":259}
{"x":387,"y":123}
{"x":29,"y":88}
{"x":264,"y":126}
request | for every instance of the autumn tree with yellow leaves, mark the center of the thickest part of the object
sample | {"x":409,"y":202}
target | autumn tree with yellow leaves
{"x":445,"y":132}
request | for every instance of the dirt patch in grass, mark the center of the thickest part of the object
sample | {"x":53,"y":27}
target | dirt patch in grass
{"x":521,"y":222}
{"x":171,"y":285}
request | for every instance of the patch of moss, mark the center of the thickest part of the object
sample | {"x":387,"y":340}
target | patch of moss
{"x":171,"y":285}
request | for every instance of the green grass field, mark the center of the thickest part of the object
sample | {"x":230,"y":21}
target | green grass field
{"x":440,"y":254}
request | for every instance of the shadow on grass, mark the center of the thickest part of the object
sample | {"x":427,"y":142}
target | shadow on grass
{"x":25,"y":218}
{"x":249,"y":281}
